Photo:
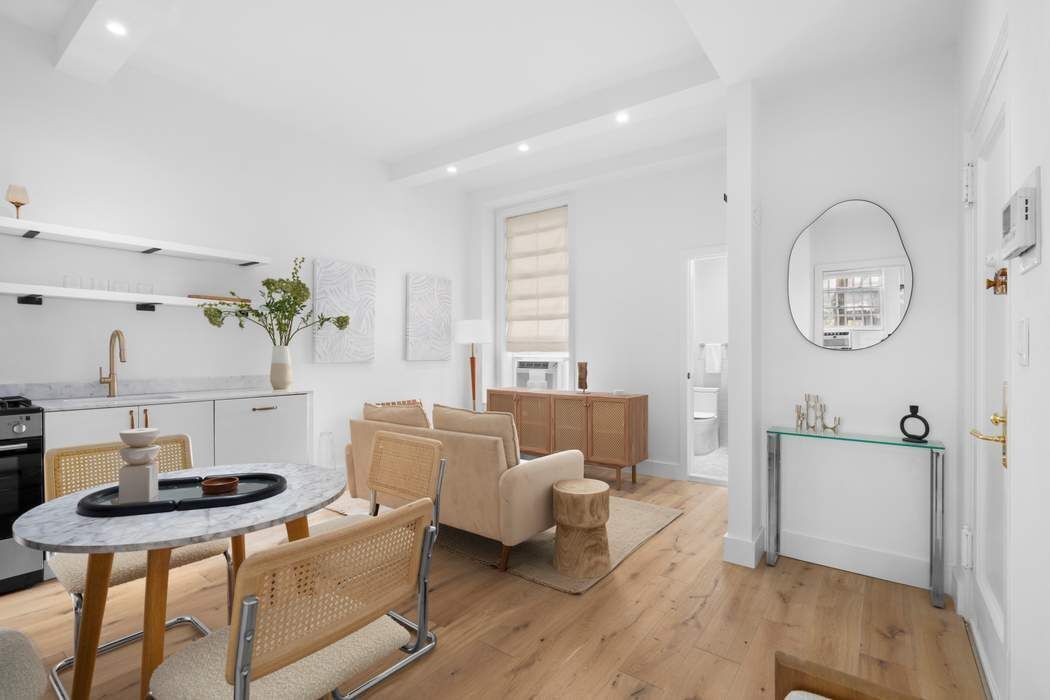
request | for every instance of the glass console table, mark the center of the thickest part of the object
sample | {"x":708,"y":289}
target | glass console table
{"x":936,"y":450}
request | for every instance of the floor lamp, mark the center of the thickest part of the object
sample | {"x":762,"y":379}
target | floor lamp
{"x":473,"y":332}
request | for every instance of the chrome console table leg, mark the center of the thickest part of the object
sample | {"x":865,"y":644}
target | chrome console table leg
{"x":937,"y":528}
{"x":773,"y":499}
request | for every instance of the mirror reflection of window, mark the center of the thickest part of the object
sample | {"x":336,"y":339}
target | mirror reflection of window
{"x":849,"y":277}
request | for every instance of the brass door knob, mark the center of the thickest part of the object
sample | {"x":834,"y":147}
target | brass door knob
{"x":996,"y":419}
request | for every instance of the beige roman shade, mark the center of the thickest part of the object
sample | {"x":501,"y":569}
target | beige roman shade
{"x":537,"y":299}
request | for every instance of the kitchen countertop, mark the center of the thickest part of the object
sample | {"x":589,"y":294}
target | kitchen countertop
{"x":87,"y":402}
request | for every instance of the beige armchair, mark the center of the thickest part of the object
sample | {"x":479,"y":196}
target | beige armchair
{"x":480,"y":494}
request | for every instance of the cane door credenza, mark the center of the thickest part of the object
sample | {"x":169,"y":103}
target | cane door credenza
{"x":611,"y":430}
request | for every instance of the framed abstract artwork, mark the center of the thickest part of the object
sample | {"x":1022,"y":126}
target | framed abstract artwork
{"x":428,"y":317}
{"x":345,"y":288}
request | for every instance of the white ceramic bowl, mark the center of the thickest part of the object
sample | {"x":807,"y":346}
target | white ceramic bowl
{"x":139,"y":437}
{"x":139,"y":455}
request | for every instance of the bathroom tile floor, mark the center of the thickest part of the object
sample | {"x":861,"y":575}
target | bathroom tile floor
{"x":712,"y":467}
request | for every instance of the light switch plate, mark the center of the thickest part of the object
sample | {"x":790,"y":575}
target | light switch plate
{"x":1021,"y":342}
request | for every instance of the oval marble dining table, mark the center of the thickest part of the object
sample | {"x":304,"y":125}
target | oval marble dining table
{"x":55,"y":526}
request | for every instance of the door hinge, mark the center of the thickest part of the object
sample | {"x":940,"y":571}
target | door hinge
{"x":966,"y":547}
{"x":967,"y":184}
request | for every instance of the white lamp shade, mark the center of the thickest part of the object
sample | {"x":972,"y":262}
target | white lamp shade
{"x":473,"y":331}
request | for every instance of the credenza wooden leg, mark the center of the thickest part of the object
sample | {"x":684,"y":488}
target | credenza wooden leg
{"x":634,"y":473}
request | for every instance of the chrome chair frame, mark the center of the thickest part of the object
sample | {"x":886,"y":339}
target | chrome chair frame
{"x":113,"y":645}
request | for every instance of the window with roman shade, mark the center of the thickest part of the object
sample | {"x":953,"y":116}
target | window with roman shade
{"x":537,"y":295}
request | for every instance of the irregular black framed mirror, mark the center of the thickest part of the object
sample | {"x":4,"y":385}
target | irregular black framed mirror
{"x":849,"y":277}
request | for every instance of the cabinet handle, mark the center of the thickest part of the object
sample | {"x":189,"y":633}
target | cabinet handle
{"x":16,"y":446}
{"x":145,"y":418}
{"x":264,"y":408}
{"x":131,"y":418}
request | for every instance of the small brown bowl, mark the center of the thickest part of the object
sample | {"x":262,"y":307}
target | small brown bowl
{"x":218,"y":485}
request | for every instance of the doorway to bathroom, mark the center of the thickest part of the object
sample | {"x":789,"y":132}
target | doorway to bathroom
{"x":706,"y":424}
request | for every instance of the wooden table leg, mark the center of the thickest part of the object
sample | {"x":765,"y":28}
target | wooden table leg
{"x":96,"y":588}
{"x":634,"y":473}
{"x":297,"y":529}
{"x":154,"y":615}
{"x":237,"y":553}
{"x":619,"y":478}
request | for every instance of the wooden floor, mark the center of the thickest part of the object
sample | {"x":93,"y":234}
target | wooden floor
{"x":673,"y":621}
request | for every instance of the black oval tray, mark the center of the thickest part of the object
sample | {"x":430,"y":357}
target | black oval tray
{"x":182,"y":494}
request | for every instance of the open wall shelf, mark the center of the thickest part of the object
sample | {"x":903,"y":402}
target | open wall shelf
{"x":35,"y":294}
{"x":101,"y":239}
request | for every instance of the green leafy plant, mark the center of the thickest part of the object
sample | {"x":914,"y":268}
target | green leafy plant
{"x":282,"y":313}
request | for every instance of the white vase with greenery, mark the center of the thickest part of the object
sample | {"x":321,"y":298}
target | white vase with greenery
{"x":282,"y":314}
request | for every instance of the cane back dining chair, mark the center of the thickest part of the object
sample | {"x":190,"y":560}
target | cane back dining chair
{"x":71,"y":469}
{"x":315,"y":613}
{"x":404,"y":466}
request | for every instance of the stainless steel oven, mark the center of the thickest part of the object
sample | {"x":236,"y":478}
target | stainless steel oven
{"x":21,"y":488}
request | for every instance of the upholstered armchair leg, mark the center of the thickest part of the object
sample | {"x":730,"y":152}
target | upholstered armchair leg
{"x":504,"y":556}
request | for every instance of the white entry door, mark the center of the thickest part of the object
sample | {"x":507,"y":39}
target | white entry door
{"x":990,"y":395}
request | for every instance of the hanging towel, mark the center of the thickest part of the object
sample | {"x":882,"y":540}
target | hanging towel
{"x":713,"y":358}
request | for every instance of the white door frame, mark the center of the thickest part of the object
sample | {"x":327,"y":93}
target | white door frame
{"x":688,"y":332}
{"x":987,"y":120}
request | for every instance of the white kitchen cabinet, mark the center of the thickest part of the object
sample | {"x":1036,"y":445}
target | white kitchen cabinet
{"x":195,"y":419}
{"x":265,"y":429}
{"x":88,"y":426}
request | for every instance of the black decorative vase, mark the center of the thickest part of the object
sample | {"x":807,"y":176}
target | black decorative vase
{"x":913,"y":414}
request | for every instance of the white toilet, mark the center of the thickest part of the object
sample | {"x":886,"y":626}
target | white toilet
{"x":705,"y":419}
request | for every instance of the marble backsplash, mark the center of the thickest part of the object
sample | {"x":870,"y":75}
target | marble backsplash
{"x":77,"y":390}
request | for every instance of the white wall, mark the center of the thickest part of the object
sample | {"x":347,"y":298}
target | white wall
{"x":1027,"y":87}
{"x":630,"y":235}
{"x":890,"y":136}
{"x":144,"y":156}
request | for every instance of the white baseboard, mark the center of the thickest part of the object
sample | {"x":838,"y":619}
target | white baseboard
{"x":891,"y":566}
{"x":664,"y":470}
{"x":745,"y":552}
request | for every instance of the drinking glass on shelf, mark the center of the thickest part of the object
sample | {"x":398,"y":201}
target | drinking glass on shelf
{"x":144,"y":287}
{"x":119,"y":286}
{"x":71,"y":281}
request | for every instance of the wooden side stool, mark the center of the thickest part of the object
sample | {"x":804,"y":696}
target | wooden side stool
{"x":581,"y":544}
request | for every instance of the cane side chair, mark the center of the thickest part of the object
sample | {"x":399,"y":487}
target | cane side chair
{"x":404,"y":466}
{"x":314,"y":613}
{"x":71,"y":469}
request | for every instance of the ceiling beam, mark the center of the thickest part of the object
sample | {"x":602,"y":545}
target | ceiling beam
{"x":87,"y":48}
{"x":644,"y":98}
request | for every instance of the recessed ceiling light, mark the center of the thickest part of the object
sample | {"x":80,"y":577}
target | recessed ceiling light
{"x":622,"y":117}
{"x":451,"y":170}
{"x":117,"y":28}
{"x":523,"y":147}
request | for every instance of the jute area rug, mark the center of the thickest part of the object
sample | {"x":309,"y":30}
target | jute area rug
{"x":630,"y":524}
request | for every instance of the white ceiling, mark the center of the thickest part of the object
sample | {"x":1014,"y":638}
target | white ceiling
{"x":398,"y":76}
{"x":755,"y":39}
{"x":421,"y":84}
